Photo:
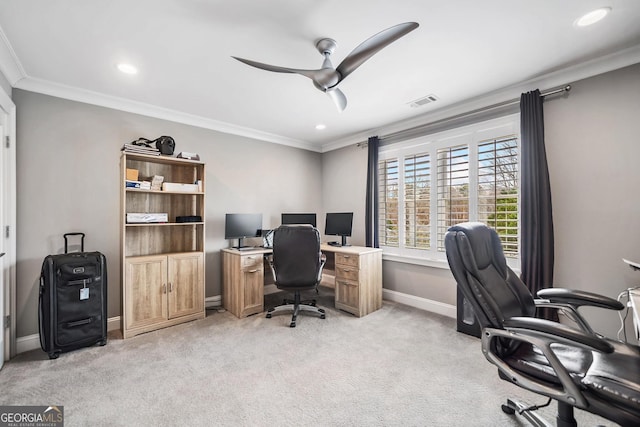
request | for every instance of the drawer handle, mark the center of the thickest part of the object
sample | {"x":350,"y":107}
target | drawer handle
{"x":252,"y":271}
{"x":346,"y":284}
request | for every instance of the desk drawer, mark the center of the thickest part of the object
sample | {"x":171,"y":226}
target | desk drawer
{"x":250,"y":262}
{"x":348,"y":259}
{"x":346,"y":272}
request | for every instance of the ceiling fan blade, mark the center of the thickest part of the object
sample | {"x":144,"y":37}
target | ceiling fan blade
{"x":372,"y":45}
{"x":307,"y":73}
{"x":338,"y":98}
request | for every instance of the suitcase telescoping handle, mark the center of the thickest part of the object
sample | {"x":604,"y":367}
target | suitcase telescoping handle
{"x":66,"y":240}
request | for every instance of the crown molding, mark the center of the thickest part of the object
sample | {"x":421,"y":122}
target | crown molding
{"x":13,"y":70}
{"x":583,"y":70}
{"x":10,"y":65}
{"x":95,"y":98}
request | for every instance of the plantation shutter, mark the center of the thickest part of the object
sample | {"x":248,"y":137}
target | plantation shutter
{"x":417,"y":201}
{"x":453,"y":189}
{"x":388,"y":202}
{"x":498,"y":193}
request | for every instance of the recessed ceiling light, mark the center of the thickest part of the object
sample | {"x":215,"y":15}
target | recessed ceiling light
{"x":593,"y":17}
{"x":127,"y":68}
{"x":321,"y":127}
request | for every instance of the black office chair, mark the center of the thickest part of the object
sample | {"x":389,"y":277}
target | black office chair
{"x":296,"y":264}
{"x":574,"y":366}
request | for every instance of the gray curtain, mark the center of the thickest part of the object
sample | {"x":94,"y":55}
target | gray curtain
{"x":371,"y":210}
{"x":537,"y":220}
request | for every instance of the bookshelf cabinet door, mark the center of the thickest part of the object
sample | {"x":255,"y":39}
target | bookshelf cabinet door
{"x":185,"y":272}
{"x":145,"y":291}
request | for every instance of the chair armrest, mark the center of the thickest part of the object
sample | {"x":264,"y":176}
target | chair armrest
{"x":269,"y":259}
{"x":323,"y":261}
{"x":579,"y":298}
{"x":552,"y":330}
{"x":542,"y":334}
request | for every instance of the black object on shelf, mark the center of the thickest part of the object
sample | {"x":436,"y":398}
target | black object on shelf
{"x":189,"y":218}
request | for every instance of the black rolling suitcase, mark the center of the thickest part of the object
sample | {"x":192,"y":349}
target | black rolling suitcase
{"x":73,"y":300}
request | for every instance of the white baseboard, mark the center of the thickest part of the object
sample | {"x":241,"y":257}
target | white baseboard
{"x":270,"y":289}
{"x":32,"y":342}
{"x":421,"y":303}
{"x":28,"y":343}
{"x":214,"y":301}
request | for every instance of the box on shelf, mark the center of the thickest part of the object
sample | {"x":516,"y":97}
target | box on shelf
{"x":176,"y":186}
{"x":146,"y":218}
{"x":142,"y":185}
{"x":156,"y":182}
{"x":132,"y":174}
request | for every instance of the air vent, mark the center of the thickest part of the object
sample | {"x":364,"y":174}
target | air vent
{"x":423,"y":101}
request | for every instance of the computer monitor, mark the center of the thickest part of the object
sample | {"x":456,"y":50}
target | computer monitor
{"x":298,"y":218}
{"x":240,"y":226}
{"x":339,"y":224}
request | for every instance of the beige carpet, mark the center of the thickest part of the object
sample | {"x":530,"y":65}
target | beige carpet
{"x":398,"y":366}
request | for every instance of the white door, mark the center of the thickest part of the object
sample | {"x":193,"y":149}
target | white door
{"x":2,"y":248}
{"x":7,"y":225}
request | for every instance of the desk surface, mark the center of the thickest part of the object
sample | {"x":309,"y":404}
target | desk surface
{"x":323,"y":247}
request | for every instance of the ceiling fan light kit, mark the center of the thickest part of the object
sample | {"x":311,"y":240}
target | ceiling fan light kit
{"x":327,"y":78}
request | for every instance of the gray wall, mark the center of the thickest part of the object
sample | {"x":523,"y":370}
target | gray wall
{"x":68,"y":163}
{"x":68,"y":172}
{"x":344,"y":183}
{"x":593,"y":149}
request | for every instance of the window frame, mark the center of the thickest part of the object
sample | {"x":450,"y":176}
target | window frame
{"x":471,"y":135}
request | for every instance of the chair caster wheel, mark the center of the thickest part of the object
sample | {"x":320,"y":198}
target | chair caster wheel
{"x":53,"y":355}
{"x":268,"y":315}
{"x":292,"y":325}
{"x":508,"y":409}
{"x":323,"y":316}
{"x":102,"y":343}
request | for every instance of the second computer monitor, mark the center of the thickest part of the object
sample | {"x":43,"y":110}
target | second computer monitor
{"x":339,"y":224}
{"x":298,"y":218}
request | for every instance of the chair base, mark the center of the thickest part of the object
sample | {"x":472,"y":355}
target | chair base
{"x":297,"y":306}
{"x":564,"y":418}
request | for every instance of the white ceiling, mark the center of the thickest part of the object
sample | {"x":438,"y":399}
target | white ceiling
{"x":466,"y":52}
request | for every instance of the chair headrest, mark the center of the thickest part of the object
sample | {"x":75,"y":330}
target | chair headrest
{"x":484,"y":246}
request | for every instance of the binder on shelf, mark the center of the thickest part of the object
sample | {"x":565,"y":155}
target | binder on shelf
{"x":147,"y":218}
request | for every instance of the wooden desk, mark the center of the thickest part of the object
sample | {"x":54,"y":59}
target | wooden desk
{"x":354,"y":272}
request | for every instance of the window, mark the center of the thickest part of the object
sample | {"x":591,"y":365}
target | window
{"x":473,"y":172}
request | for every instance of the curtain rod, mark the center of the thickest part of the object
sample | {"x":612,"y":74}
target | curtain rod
{"x":421,"y":129}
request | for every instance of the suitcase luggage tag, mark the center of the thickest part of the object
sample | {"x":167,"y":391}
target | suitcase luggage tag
{"x":84,"y":292}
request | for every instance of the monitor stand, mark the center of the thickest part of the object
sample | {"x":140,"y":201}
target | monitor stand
{"x":241,"y":247}
{"x":339,"y":244}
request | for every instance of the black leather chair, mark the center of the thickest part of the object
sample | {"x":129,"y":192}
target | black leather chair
{"x":297,"y":264}
{"x":573,"y":365}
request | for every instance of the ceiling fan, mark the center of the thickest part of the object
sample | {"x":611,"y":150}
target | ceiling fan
{"x":327,"y":78}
